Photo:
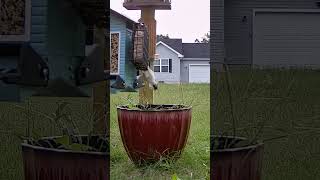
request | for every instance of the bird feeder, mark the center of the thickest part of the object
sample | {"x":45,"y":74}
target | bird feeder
{"x":140,"y":47}
{"x":148,"y":8}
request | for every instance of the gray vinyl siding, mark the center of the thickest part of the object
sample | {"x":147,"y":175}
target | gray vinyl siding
{"x":39,"y":26}
{"x":184,"y":68}
{"x":234,"y":37}
{"x":217,"y":47}
{"x":217,"y":31}
{"x":173,"y":77}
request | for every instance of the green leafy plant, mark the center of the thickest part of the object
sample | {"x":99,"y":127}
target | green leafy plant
{"x":131,"y":104}
{"x":62,"y":119}
{"x":175,"y":177}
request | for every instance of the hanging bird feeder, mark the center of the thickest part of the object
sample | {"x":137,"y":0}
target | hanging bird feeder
{"x":140,"y":47}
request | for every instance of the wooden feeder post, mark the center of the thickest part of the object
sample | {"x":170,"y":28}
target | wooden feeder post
{"x":148,"y":9}
{"x":148,"y":17}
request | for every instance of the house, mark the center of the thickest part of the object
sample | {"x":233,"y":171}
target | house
{"x":42,"y":41}
{"x":121,"y":30}
{"x":266,"y":33}
{"x":182,"y":62}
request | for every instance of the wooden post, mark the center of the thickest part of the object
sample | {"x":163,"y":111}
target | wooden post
{"x":100,"y":89}
{"x":148,"y":18}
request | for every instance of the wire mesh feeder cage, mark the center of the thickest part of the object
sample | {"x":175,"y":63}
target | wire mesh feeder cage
{"x":140,"y":46}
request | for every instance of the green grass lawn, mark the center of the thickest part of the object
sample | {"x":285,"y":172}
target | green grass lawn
{"x":194,"y":161}
{"x":283,"y":103}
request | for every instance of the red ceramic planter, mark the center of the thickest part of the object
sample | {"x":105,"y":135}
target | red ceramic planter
{"x":244,"y":163}
{"x":149,"y":135}
{"x":57,"y":164}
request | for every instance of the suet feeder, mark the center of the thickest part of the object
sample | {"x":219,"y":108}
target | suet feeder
{"x":140,"y":47}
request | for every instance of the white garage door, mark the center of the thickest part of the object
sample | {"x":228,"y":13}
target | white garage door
{"x":199,"y":73}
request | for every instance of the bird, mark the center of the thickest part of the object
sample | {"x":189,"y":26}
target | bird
{"x":150,"y":78}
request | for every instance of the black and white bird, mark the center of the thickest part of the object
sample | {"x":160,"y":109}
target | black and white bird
{"x":149,"y":77}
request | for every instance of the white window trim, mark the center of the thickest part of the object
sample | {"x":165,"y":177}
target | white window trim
{"x":163,"y":65}
{"x":116,"y":32}
{"x":27,"y":27}
{"x":164,"y":44}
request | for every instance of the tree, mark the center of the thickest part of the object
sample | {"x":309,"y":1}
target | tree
{"x":205,"y":39}
{"x":161,"y":36}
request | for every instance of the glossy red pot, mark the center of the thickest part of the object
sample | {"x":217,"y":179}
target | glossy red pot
{"x":148,"y":135}
{"x":238,"y":163}
{"x":42,"y":163}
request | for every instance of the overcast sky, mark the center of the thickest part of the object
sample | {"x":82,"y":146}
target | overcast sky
{"x":187,"y":19}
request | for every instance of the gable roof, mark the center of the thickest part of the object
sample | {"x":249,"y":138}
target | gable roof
{"x":128,"y":21}
{"x":175,"y":44}
{"x":196,"y":50}
{"x":164,"y":44}
{"x":187,"y":50}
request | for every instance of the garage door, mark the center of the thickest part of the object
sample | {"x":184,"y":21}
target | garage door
{"x":199,"y":73}
{"x":286,"y":38}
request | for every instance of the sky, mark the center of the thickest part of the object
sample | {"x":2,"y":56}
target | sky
{"x":187,"y":19}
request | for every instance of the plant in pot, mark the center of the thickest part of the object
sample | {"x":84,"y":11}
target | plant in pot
{"x":70,"y":156}
{"x":153,"y":132}
{"x":237,"y":152}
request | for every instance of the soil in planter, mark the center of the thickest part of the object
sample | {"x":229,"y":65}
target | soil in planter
{"x":96,"y":143}
{"x":154,"y":107}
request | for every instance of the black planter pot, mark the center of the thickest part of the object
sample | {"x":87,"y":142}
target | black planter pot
{"x":42,"y":163}
{"x":236,"y":163}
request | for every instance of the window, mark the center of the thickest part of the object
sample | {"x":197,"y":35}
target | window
{"x":163,"y":65}
{"x":115,"y":53}
{"x":157,"y":65}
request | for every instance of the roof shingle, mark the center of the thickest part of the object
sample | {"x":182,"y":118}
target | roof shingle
{"x":196,"y":50}
{"x":189,"y":50}
{"x":175,"y":44}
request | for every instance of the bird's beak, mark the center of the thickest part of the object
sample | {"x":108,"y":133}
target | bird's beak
{"x":155,"y":87}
